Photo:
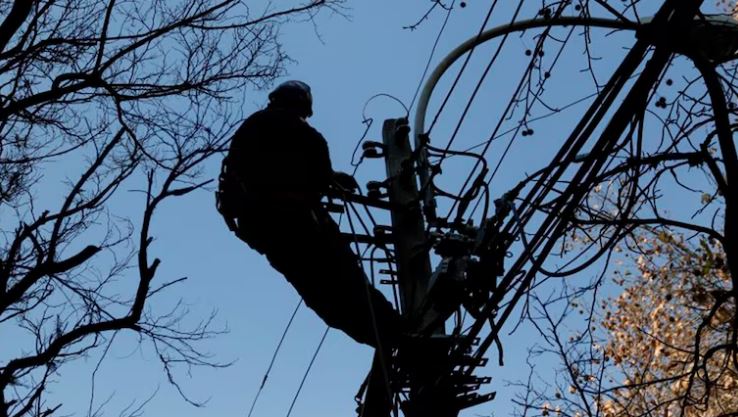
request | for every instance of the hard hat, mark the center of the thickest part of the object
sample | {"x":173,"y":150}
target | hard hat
{"x":295,"y":95}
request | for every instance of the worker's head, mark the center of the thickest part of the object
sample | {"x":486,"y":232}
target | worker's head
{"x":294,"y":96}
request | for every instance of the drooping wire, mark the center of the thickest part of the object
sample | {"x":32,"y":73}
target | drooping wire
{"x":274,"y":357}
{"x":368,"y":122}
{"x":307,"y":371}
{"x":389,"y":96}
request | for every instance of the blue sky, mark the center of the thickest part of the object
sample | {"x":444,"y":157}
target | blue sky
{"x":346,"y":61}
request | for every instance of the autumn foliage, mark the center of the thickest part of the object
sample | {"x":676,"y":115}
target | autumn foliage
{"x":670,"y":329}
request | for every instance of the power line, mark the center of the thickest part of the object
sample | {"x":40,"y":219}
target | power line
{"x":526,"y":74}
{"x":463,"y":67}
{"x":479,"y":83}
{"x":307,"y":371}
{"x":535,"y":119}
{"x":274,"y":357}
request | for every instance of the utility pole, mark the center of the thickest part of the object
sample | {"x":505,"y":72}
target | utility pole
{"x":439,"y":384}
{"x":425,"y":361}
{"x":408,"y":227}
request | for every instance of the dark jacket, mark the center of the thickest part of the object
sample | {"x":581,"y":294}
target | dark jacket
{"x":277,"y":154}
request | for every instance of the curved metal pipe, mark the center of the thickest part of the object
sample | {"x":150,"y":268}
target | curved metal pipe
{"x":468,"y":45}
{"x":490,"y":34}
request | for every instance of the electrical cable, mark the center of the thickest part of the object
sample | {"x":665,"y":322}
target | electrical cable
{"x":307,"y":371}
{"x":390,"y":96}
{"x":553,"y":224}
{"x":535,"y":119}
{"x":368,"y":121}
{"x":478,"y":86}
{"x":540,"y":89}
{"x":379,"y":351}
{"x":486,"y":191}
{"x":564,"y":157}
{"x":461,"y":71}
{"x":274,"y":357}
{"x":511,"y":102}
{"x":461,"y":51}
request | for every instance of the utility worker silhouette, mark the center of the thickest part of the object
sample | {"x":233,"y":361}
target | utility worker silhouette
{"x":276,"y":172}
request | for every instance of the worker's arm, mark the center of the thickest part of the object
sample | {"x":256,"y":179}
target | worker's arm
{"x":325,"y":174}
{"x":322,"y":174}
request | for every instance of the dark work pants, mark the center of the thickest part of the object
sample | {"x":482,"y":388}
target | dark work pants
{"x":307,"y":248}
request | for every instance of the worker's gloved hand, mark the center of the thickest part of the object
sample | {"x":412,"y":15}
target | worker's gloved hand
{"x":345,"y":181}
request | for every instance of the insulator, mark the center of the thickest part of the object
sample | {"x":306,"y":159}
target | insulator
{"x":372,"y":149}
{"x":372,"y":154}
{"x":372,"y":144}
{"x":375,"y":189}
